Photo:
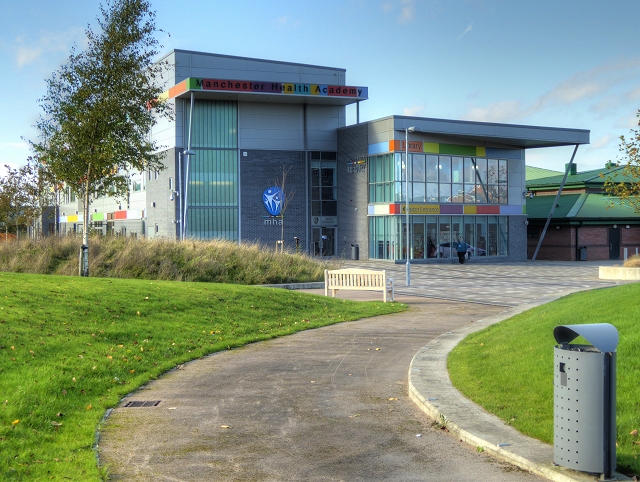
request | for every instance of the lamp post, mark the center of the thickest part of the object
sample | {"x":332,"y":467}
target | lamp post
{"x":406,"y":180}
{"x":183,"y":209}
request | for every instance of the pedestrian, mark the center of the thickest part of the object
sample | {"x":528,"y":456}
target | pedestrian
{"x":461,"y":248}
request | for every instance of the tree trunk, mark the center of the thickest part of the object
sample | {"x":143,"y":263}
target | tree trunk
{"x":84,"y":267}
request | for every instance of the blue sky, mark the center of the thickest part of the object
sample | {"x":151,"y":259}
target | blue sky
{"x":560,"y":63}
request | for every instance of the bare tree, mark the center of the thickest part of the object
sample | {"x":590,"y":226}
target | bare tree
{"x":287,"y":196}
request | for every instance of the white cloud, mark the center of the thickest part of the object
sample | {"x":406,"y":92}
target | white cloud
{"x":413,"y":111}
{"x":508,"y":110}
{"x":634,"y":94}
{"x":583,"y":86}
{"x":29,"y":50}
{"x":627,"y":122}
{"x":602,"y":142}
{"x":466,"y":31}
{"x":406,"y":7}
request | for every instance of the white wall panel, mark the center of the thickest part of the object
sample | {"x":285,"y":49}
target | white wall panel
{"x":270,"y":126}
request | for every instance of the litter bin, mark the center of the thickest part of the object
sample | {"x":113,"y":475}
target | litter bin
{"x":355,"y":252}
{"x":584,"y":392}
{"x":583,"y":253}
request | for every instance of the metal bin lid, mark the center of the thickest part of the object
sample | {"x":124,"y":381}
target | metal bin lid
{"x":604,"y":336}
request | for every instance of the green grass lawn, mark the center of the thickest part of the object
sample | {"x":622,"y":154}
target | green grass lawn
{"x":70,"y":348}
{"x":508,"y":367}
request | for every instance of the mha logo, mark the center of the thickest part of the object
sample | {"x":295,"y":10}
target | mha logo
{"x":273,"y":198}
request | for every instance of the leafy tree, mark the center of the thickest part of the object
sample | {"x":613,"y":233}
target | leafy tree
{"x":625,"y":182}
{"x":100,"y":106}
{"x":22,"y":197}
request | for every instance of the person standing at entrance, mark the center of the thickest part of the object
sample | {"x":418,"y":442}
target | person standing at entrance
{"x":461,"y":248}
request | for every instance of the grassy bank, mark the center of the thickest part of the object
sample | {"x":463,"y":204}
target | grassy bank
{"x":508,"y":368}
{"x":70,"y":348}
{"x":126,"y":257}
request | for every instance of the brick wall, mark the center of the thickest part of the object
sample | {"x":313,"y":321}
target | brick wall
{"x":260,"y":170}
{"x":561,"y":244}
{"x":353,"y":191}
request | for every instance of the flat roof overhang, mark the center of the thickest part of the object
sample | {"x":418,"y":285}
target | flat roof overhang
{"x":520,"y":136}
{"x":279,"y":98}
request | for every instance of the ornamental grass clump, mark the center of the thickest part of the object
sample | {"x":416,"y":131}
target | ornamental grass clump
{"x":217,"y":261}
{"x":632,"y":262}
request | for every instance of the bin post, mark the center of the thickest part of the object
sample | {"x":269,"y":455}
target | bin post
{"x":584,"y":393}
{"x":355,"y":252}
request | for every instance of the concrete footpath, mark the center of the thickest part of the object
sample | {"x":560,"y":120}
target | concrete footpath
{"x":336,"y":403}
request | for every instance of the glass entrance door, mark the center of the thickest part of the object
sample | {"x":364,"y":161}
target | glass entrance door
{"x":323,"y":242}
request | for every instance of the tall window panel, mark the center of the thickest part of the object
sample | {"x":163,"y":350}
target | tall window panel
{"x":215,"y":124}
{"x":213,"y":170}
{"x":213,"y":223}
{"x":213,"y":178}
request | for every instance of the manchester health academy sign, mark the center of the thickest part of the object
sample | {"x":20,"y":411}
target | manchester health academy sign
{"x":262,"y":87}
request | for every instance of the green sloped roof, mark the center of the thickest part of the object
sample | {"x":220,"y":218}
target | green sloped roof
{"x":595,"y":176}
{"x":532,"y":173}
{"x":540,"y":206}
{"x":598,"y":206}
{"x":580,"y":207}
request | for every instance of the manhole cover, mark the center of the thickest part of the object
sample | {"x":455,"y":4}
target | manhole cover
{"x":142,"y":403}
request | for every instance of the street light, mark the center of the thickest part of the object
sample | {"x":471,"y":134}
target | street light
{"x":406,"y":180}
{"x":183,"y":209}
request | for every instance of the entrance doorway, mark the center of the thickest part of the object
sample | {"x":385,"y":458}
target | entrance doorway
{"x":614,"y":243}
{"x":323,"y":242}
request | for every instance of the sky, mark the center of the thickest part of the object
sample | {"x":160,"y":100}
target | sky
{"x":556,"y":63}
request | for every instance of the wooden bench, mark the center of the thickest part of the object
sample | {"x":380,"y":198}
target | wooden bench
{"x":358,"y":279}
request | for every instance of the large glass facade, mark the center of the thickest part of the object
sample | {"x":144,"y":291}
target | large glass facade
{"x":435,"y":236}
{"x":437,"y":179}
{"x":213,"y":172}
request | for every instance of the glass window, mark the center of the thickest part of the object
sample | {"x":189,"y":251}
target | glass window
{"x":481,"y":171}
{"x":445,"y":193}
{"x":432,"y":192}
{"x":492,"y":236}
{"x":444,"y":167}
{"x":492,"y":172}
{"x":469,"y":171}
{"x":399,"y":162}
{"x":432,"y":236}
{"x":329,"y":208}
{"x":397,"y":197}
{"x":503,"y":235}
{"x":457,"y":229}
{"x":481,"y":234}
{"x":470,"y":232}
{"x":457,"y":193}
{"x":502,"y":171}
{"x":432,"y":168}
{"x":418,"y":237}
{"x":444,"y":237}
{"x":418,"y":192}
{"x":457,"y":169}
{"x":418,"y":171}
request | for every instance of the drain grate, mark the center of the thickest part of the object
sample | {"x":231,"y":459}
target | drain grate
{"x":142,"y":403}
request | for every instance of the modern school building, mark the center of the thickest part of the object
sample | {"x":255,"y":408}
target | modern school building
{"x":259,"y":151}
